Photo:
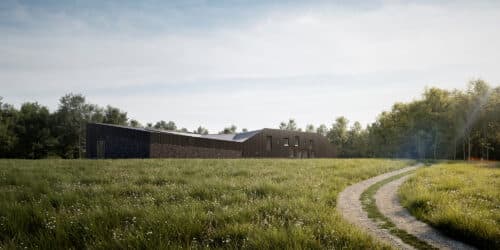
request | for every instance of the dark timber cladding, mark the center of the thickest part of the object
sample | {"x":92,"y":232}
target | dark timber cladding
{"x":113,"y":141}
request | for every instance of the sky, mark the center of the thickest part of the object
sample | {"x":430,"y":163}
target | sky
{"x":248,"y":63}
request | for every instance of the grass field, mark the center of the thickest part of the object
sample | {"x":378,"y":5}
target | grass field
{"x":245,"y":203}
{"x":462,"y":200}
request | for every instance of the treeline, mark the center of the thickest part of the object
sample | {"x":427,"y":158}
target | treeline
{"x":442,"y":124}
{"x":33,"y":132}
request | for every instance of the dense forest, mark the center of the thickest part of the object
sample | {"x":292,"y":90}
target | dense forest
{"x":443,"y":124}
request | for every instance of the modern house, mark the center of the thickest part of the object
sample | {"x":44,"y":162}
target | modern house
{"x":114,"y":141}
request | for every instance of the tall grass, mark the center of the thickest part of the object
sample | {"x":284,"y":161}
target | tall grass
{"x":462,"y":200}
{"x":180,"y":203}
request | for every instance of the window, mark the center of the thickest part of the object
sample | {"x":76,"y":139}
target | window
{"x":285,"y":142}
{"x":269,"y":143}
{"x":311,"y":144}
{"x":297,"y":141}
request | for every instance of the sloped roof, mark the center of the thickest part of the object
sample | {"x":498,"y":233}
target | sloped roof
{"x":239,"y":137}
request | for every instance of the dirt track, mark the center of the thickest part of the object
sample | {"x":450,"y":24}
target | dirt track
{"x":349,"y":205}
{"x":387,"y":201}
{"x":388,"y":204}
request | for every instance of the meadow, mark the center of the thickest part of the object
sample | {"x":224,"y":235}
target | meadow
{"x":179,"y":203}
{"x":462,"y":200}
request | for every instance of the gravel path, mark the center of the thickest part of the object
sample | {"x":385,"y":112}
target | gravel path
{"x":349,"y":205}
{"x":388,"y":204}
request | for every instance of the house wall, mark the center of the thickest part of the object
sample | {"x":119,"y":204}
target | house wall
{"x":179,"y":146}
{"x":108,"y":141}
{"x":116,"y":142}
{"x":176,"y":151}
{"x":257,"y":146}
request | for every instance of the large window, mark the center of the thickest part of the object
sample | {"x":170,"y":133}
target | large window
{"x":269,"y":143}
{"x":297,"y":141}
{"x":286,"y":142}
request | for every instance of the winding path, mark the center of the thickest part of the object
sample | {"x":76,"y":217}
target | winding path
{"x":387,"y":201}
{"x":349,"y":205}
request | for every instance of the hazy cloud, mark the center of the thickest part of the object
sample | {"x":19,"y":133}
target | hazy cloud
{"x":252,"y":66}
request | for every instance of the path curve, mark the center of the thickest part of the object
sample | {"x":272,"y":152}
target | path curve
{"x":387,"y":201}
{"x":349,"y":205}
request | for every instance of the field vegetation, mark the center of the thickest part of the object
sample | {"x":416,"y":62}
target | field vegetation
{"x":462,"y":200}
{"x":250,"y":203}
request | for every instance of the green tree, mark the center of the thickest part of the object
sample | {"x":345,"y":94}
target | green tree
{"x":70,"y":123}
{"x":8,"y":137}
{"x":322,"y":130}
{"x":338,"y":134}
{"x":201,"y":130}
{"x":229,"y":130}
{"x":291,"y":125}
{"x":33,"y":131}
{"x":134,"y":123}
{"x":310,"y":128}
{"x":165,"y":125}
{"x":114,"y":115}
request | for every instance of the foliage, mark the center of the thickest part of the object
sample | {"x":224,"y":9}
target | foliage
{"x":291,"y":125}
{"x":462,"y":200}
{"x":134,"y":123}
{"x":338,"y":134}
{"x":201,"y":130}
{"x":182,"y":203}
{"x":442,"y":125}
{"x":229,"y":130}
{"x":309,"y":128}
{"x":322,"y":130}
{"x":8,"y":136}
{"x":34,"y":139}
{"x":165,"y":125}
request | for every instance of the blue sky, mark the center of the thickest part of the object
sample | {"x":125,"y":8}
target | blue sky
{"x":249,"y":63}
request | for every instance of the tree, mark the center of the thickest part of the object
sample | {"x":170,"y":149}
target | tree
{"x":229,"y":130}
{"x":244,"y":130}
{"x":8,"y":137}
{"x":355,"y":145}
{"x":310,"y":128}
{"x":338,"y":134}
{"x":291,"y":125}
{"x":70,"y":119}
{"x":165,"y":125}
{"x":114,"y":115}
{"x":33,"y":131}
{"x":134,"y":123}
{"x":201,"y":130}
{"x":322,"y":130}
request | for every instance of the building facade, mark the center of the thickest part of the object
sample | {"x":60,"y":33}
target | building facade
{"x":113,"y":141}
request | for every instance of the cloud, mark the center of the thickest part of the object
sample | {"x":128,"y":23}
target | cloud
{"x":274,"y":62}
